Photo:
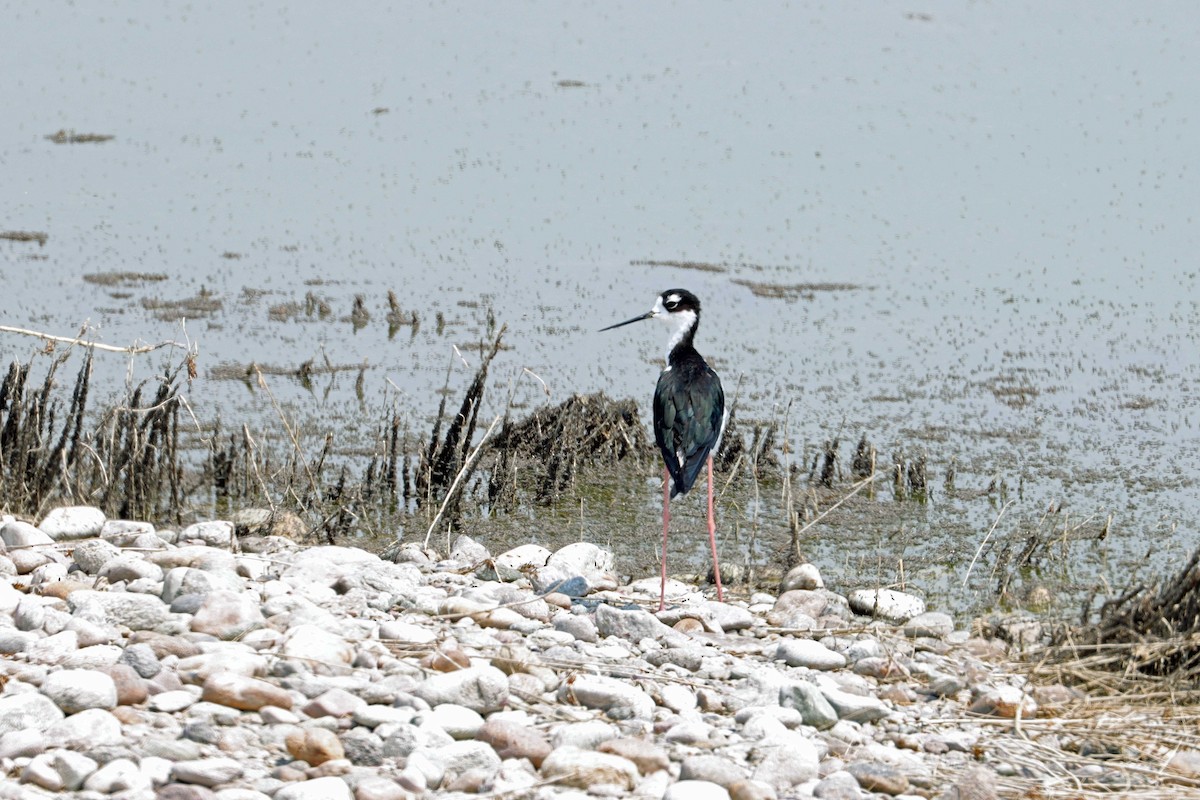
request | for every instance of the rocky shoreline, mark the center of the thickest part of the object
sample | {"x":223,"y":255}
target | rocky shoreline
{"x":138,"y":662}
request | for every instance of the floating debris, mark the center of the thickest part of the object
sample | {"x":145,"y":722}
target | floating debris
{"x":793,"y":291}
{"x":701,"y":266}
{"x":201,"y":304}
{"x":25,"y":236}
{"x":64,"y":136}
{"x":123,"y":278}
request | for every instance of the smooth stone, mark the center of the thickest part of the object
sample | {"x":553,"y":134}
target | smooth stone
{"x":460,"y":758}
{"x":178,"y":700}
{"x":334,"y":703}
{"x":810,"y":701}
{"x":585,"y":768}
{"x":228,"y":615}
{"x":751,"y":790}
{"x":183,"y":791}
{"x":935,"y":624}
{"x":180,"y":581}
{"x":22,"y":743}
{"x":633,"y":625}
{"x":785,"y":760}
{"x":73,"y":522}
{"x":808,"y":653}
{"x":207,"y":771}
{"x":712,"y":769}
{"x":317,"y":650}
{"x":587,"y":735}
{"x":96,"y":656}
{"x":855,"y":707}
{"x":482,"y":689}
{"x":645,"y":754}
{"x":93,"y":554}
{"x":314,"y":745}
{"x":124,"y":532}
{"x":326,"y":788}
{"x":839,"y":785}
{"x":458,"y":721}
{"x":74,"y":690}
{"x":1003,"y":701}
{"x":134,"y":611}
{"x":243,"y":692}
{"x":362,"y":747}
{"x":577,"y":625}
{"x":60,"y":770}
{"x":141,"y":659}
{"x":29,"y":711}
{"x":30,"y":562}
{"x":86,"y":730}
{"x":132,"y":689}
{"x":522,"y":556}
{"x":14,"y":641}
{"x":510,"y":740}
{"x":52,"y":649}
{"x":802,"y":576}
{"x":215,"y":533}
{"x":875,"y":776}
{"x":129,"y":567}
{"x":380,"y":788}
{"x":617,"y":698}
{"x":687,"y":789}
{"x":583,"y":558}
{"x":15,"y":534}
{"x":888,"y":604}
{"x":227,"y":657}
{"x":118,"y":775}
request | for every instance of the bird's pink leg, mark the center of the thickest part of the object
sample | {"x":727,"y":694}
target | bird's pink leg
{"x":712,"y":533}
{"x":662,"y":597}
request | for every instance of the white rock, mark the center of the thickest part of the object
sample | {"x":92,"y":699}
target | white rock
{"x":22,"y":743}
{"x":808,"y":653}
{"x":458,"y":721}
{"x":887,"y":604}
{"x":73,"y":522}
{"x":16,"y":534}
{"x":52,"y":649}
{"x":695,"y":790}
{"x":93,"y":554}
{"x":118,"y":775}
{"x":93,"y":727}
{"x":328,"y":652}
{"x":207,"y":771}
{"x":176,"y":700}
{"x":27,"y":711}
{"x":328,"y":788}
{"x":617,"y":698}
{"x":583,"y":558}
{"x":130,"y":567}
{"x":526,"y":555}
{"x":802,"y":576}
{"x":30,"y":613}
{"x":460,"y":757}
{"x":134,"y":611}
{"x":96,"y":656}
{"x":585,"y":768}
{"x":483,"y":689}
{"x":785,"y":760}
{"x":216,"y":533}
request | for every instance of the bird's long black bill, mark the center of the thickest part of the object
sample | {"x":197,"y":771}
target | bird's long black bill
{"x":647,"y":315}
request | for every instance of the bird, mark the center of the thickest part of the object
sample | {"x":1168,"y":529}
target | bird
{"x":689,"y":414}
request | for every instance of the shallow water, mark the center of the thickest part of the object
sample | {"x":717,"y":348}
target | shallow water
{"x":982,"y":218}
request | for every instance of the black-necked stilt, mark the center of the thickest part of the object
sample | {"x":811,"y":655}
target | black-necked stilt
{"x":689,"y":413}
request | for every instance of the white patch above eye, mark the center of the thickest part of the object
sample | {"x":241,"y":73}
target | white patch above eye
{"x":674,"y":299}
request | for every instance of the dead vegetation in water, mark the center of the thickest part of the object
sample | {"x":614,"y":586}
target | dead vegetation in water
{"x":64,"y":136}
{"x":114,"y":279}
{"x":1146,"y":639}
{"x":26,"y":236}
{"x":793,"y":291}
{"x":202,"y":304}
{"x":698,"y":266}
{"x":125,"y":462}
{"x":548,"y":448}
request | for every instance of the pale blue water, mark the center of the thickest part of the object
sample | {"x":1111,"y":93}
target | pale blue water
{"x":1011,"y":187}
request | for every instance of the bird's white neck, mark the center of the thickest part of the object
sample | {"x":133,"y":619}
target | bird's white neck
{"x":683,"y":324}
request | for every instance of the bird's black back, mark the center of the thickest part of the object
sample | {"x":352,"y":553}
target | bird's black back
{"x":689,"y":409}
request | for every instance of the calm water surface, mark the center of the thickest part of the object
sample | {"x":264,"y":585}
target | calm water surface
{"x":982,"y":217}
